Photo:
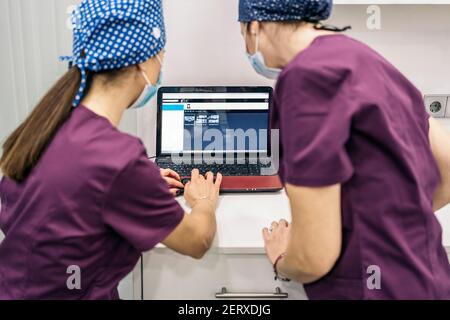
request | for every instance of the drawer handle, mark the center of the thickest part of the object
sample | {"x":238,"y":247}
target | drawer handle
{"x":278,"y":294}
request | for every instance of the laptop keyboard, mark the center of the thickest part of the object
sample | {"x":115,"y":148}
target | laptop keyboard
{"x":225,"y":169}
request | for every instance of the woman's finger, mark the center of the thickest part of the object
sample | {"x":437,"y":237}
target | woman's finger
{"x":210,"y":178}
{"x":218,"y":182}
{"x":283,"y":222}
{"x":195,"y":175}
{"x":274,"y":224}
{"x":174,"y":183}
{"x":173,"y":174}
{"x":201,"y":178}
{"x":175,"y":192}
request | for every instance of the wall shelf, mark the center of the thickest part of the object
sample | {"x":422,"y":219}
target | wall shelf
{"x":381,"y":2}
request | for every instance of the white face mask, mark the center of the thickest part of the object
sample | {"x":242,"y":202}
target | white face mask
{"x":258,"y":63}
{"x":149,"y":90}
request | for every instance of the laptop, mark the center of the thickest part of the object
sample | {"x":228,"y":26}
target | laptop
{"x":218,"y":129}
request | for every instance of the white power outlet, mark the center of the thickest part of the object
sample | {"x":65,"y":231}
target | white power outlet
{"x":436,"y":105}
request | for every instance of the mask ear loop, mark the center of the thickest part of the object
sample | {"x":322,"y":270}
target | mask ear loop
{"x":162,"y":66}
{"x":159,"y":60}
{"x":145,"y":76}
{"x":257,"y":43}
{"x":246,"y":36}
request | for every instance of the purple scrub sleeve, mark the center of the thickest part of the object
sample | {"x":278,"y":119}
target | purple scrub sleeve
{"x":143,"y":213}
{"x":347,"y":116}
{"x":315,"y":146}
{"x":93,"y":203}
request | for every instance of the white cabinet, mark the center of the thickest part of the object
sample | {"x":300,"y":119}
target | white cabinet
{"x":168,"y":275}
{"x":236,"y":262}
{"x":126,"y":288}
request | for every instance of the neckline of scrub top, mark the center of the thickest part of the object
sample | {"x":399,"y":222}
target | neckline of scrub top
{"x":317,"y":39}
{"x":331,"y":35}
{"x":94,"y":115}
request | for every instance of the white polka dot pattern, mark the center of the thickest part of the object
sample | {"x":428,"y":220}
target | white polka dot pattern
{"x":114,"y":34}
{"x":284,"y":10}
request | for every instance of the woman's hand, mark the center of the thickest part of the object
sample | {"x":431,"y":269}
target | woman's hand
{"x":276,"y":239}
{"x":201,"y":189}
{"x":173,"y":180}
{"x":195,"y":234}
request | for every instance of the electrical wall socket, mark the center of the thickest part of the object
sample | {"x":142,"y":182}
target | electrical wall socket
{"x":436,"y":105}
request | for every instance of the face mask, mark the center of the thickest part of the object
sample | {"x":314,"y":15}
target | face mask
{"x":149,"y":91}
{"x":258,"y":63}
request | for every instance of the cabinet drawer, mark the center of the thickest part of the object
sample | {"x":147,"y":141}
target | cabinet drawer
{"x":168,"y":275}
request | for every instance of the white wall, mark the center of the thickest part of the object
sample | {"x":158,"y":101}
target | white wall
{"x":33,"y":34}
{"x":205,"y":48}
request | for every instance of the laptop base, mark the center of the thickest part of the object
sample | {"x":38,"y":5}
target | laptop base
{"x":248,"y":184}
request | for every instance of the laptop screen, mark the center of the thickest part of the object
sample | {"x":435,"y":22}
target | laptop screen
{"x":231,"y":122}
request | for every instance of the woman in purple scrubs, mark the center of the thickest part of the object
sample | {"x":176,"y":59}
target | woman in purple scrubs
{"x":80,"y":200}
{"x":364,"y":166}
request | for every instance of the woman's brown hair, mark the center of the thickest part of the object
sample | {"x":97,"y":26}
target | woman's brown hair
{"x":25,"y":146}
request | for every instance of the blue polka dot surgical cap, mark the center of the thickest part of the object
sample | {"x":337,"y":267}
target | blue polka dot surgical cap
{"x":284,"y":10}
{"x":114,"y":34}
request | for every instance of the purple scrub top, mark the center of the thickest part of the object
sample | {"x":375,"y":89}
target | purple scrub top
{"x":92,"y":204}
{"x":347,"y":116}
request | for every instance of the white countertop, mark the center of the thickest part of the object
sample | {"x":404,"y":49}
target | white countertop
{"x":241,"y":218}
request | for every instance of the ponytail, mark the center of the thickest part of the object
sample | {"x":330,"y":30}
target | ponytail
{"x":25,"y":146}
